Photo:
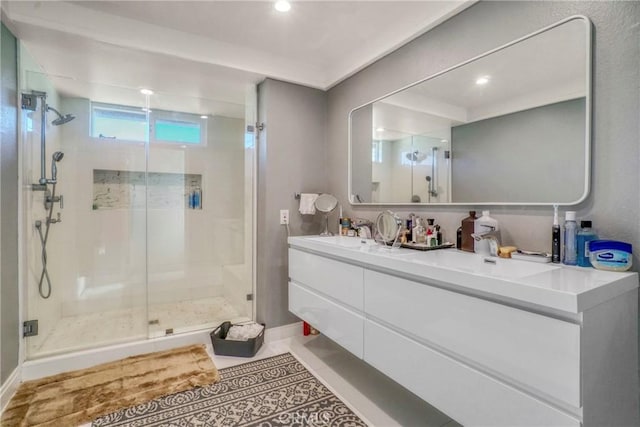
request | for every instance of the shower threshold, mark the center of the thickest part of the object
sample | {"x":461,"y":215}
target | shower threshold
{"x":100,"y":329}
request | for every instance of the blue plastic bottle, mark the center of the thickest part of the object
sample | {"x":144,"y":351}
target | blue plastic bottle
{"x":570,"y":234}
{"x":585,"y":235}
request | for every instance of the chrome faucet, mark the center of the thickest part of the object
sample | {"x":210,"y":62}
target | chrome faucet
{"x":493,"y":236}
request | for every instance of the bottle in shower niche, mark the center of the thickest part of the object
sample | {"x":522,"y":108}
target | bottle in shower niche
{"x":197,"y":198}
{"x":570,"y":239}
{"x":584,"y":236}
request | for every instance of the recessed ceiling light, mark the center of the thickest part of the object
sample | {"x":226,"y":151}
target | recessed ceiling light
{"x":443,"y":140}
{"x":204,"y":117}
{"x":146,"y":91}
{"x":482,"y":80}
{"x":380,"y":129}
{"x":282,"y":6}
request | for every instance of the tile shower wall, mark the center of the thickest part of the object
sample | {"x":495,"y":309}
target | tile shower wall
{"x":97,"y":259}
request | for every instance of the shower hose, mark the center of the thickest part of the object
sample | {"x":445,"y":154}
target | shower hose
{"x":43,"y":239}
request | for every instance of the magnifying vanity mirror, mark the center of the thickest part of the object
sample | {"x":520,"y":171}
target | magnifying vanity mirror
{"x":509,"y":127}
{"x":326,"y":203}
{"x":388,"y":227}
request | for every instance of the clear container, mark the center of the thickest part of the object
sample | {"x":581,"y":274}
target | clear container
{"x":570,"y":239}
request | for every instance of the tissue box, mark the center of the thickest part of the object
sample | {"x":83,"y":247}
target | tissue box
{"x":223,"y":347}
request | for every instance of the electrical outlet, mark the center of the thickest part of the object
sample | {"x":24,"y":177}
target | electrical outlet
{"x":284,"y":216}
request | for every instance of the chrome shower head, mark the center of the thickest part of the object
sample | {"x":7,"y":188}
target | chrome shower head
{"x":57,"y":156}
{"x":61,"y":119}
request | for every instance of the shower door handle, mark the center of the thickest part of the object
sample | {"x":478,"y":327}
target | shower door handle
{"x":61,"y":200}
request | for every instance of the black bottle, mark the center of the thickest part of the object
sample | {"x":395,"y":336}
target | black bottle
{"x":459,"y":238}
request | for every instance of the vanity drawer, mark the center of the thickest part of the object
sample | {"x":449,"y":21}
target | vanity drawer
{"x":342,"y":282}
{"x":468,"y":396}
{"x":537,"y":351}
{"x":338,"y":323}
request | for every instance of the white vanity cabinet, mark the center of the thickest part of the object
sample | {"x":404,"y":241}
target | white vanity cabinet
{"x":329,"y":295}
{"x":483,"y":349}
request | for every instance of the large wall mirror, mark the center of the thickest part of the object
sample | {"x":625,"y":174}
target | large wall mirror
{"x":509,"y":127}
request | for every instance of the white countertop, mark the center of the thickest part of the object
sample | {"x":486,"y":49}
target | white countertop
{"x":555,"y":286}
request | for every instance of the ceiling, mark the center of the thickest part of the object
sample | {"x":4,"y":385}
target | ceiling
{"x":213,"y":49}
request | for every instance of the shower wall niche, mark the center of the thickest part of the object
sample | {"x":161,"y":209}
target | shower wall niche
{"x":117,"y":189}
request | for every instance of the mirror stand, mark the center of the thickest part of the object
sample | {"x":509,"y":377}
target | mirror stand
{"x":326,"y":231}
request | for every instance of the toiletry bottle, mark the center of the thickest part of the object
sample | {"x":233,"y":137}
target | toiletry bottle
{"x":555,"y":237}
{"x":438,"y":236}
{"x":468,"y":225}
{"x":584,"y":236}
{"x":459,"y":238}
{"x":418,"y":231}
{"x":484,"y":224}
{"x":429,"y":237}
{"x":197,"y":198}
{"x":570,"y":232}
{"x":430,"y":222}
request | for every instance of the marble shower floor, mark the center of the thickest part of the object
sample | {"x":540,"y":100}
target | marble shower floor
{"x":98,"y":329}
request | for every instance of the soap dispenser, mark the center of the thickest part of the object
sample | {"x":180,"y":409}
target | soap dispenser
{"x":483,"y":225}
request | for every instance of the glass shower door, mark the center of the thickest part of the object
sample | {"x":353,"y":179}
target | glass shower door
{"x":199,"y":213}
{"x":93,"y":292}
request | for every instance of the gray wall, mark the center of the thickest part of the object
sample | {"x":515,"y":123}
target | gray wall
{"x":291,"y":159}
{"x":535,"y":155}
{"x":614,"y":201}
{"x":9,"y":202}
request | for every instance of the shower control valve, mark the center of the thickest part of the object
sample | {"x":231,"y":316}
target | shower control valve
{"x":55,"y":220}
{"x":57,"y":199}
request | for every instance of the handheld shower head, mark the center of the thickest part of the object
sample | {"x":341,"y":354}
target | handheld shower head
{"x":57,"y":156}
{"x":61,"y":119}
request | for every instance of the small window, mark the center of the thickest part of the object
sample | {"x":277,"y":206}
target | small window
{"x":376,"y":152}
{"x":118,"y":122}
{"x":178,"y":128}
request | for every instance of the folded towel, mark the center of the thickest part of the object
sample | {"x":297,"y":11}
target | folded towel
{"x":307,"y":203}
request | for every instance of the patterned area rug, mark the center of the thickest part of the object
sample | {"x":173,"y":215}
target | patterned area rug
{"x":277,"y":391}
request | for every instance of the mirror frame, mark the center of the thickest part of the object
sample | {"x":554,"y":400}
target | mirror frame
{"x":588,"y":119}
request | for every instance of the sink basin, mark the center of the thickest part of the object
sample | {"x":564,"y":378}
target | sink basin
{"x":481,"y":265}
{"x":344,"y":241}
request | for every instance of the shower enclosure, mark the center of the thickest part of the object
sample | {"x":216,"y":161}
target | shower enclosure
{"x":143,"y":225}
{"x":411,"y":168}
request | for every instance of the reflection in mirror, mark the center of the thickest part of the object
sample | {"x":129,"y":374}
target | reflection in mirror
{"x":508,"y":127}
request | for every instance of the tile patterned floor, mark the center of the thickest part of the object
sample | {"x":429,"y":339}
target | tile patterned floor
{"x":379,"y":401}
{"x":374,"y":397}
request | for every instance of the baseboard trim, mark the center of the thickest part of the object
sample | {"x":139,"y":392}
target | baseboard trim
{"x":9,"y":388}
{"x":282,"y":332}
